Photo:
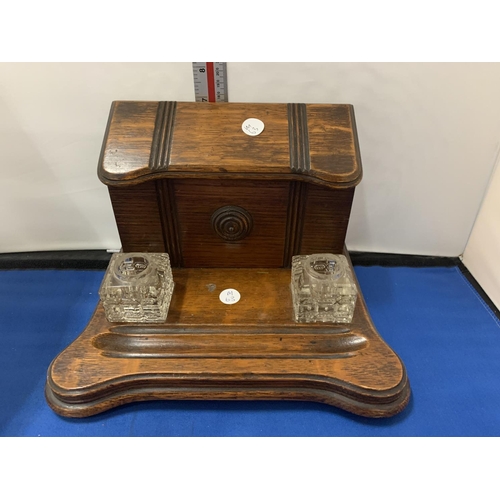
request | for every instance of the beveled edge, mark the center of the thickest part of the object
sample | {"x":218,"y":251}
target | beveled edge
{"x":146,"y":173}
{"x":124,"y":389}
{"x":320,"y":389}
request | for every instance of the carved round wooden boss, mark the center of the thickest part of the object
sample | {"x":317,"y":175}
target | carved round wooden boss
{"x":232,"y":223}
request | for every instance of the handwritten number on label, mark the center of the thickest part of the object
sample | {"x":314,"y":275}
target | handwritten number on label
{"x":252,"y":126}
{"x":229,"y":296}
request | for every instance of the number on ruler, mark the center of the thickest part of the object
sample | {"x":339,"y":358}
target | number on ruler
{"x":216,"y":89}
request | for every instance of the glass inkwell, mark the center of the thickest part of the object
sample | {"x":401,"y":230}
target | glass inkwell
{"x":137,"y":287}
{"x":323,"y":289}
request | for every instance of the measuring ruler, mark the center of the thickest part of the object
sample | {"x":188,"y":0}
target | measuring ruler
{"x":210,"y":81}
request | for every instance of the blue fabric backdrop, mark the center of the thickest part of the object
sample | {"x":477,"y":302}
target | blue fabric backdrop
{"x":433,"y":318}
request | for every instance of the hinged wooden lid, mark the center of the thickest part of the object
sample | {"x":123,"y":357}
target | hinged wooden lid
{"x":313,"y":142}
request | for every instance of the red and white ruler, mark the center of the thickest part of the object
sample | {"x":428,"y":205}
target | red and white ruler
{"x":210,"y":81}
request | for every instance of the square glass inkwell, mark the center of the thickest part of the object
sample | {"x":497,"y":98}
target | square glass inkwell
{"x":137,"y":287}
{"x":323,"y":288}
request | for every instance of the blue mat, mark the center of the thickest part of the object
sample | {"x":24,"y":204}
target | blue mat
{"x":445,"y":334}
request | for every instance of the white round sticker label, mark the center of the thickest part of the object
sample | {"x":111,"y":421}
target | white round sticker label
{"x":229,"y":296}
{"x":252,"y":126}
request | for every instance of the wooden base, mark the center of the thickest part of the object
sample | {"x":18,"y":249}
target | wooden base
{"x":249,"y":350}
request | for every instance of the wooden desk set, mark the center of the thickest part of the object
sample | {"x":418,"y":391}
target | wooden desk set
{"x":231,"y":210}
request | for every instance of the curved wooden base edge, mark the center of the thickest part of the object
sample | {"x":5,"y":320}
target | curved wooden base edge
{"x":196,"y":356}
{"x":365,"y":403}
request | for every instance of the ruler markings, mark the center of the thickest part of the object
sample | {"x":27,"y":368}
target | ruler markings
{"x":210,"y":81}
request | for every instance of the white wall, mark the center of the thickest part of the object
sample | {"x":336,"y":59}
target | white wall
{"x":482,"y":252}
{"x":52,"y":121}
{"x":428,"y":134}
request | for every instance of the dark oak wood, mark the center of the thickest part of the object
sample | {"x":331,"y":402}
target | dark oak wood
{"x":249,"y":350}
{"x":295,"y":220}
{"x":324,"y":220}
{"x":139,"y":212}
{"x":231,"y":211}
{"x":315,"y":143}
{"x":207,"y":163}
{"x":159,"y":158}
{"x":300,"y":159}
{"x":232,"y":223}
{"x":170,"y":226}
{"x":199,"y":201}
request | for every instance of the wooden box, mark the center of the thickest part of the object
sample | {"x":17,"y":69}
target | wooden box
{"x":231,"y":210}
{"x":184,"y":179}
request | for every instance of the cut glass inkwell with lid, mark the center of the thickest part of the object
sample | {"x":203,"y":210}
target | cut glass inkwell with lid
{"x":137,"y":287}
{"x":323,"y":289}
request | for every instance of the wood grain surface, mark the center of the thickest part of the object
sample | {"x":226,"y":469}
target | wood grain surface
{"x":138,"y":214}
{"x":249,"y":350}
{"x":231,"y":211}
{"x":147,"y":140}
{"x":198,"y":200}
{"x":175,"y":216}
